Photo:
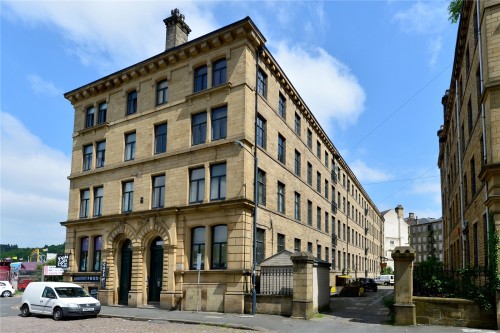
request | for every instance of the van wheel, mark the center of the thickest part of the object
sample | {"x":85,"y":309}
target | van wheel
{"x":25,"y":310}
{"x":57,"y":314}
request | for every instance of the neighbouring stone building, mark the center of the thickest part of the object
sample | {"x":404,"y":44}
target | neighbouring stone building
{"x":426,"y":237}
{"x":469,"y":139}
{"x":163,"y":172}
{"x":395,"y":233}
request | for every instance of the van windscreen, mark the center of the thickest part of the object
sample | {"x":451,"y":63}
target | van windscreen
{"x":68,"y":292}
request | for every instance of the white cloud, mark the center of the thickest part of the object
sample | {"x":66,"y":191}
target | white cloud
{"x":327,"y":86}
{"x":34,"y":188}
{"x":42,"y":87}
{"x":364,"y":173}
{"x":423,"y":17}
{"x":426,"y":19}
{"x":111,"y":34}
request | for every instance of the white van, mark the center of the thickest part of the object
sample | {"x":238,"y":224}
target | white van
{"x":59,"y":300}
{"x":386,"y":279}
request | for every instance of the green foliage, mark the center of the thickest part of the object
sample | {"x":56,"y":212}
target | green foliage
{"x":388,"y":301}
{"x":387,"y":271}
{"x":10,"y":251}
{"x":454,"y":10}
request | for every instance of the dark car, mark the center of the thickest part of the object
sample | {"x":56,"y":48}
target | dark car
{"x":368,"y":283}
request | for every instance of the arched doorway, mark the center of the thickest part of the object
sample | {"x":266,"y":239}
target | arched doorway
{"x":155,"y":270}
{"x":125,"y":272}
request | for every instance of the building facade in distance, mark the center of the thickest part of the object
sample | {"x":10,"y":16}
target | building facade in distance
{"x":469,"y":140}
{"x":166,"y":153}
{"x":426,"y":238}
{"x":395,"y":232}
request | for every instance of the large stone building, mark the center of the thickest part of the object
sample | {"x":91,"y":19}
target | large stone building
{"x":426,"y":237}
{"x":469,"y":140}
{"x":163,"y":172}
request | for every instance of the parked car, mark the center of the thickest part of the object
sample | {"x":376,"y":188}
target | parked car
{"x":6,"y":289}
{"x":368,"y":284}
{"x":22,"y":284}
{"x":59,"y":300}
{"x":387,"y":279}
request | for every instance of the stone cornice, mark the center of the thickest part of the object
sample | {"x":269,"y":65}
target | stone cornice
{"x":243,"y":29}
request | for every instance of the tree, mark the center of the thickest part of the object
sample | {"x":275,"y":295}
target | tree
{"x":454,"y":9}
{"x":387,"y":271}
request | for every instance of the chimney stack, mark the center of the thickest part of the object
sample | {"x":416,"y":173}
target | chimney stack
{"x":177,"y":30}
{"x":412,"y":216}
{"x":399,"y":211}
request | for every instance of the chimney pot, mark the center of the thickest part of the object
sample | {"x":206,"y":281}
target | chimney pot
{"x":177,"y":30}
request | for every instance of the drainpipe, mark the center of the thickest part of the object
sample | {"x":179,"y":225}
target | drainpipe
{"x":483,"y":120}
{"x":457,"y":112}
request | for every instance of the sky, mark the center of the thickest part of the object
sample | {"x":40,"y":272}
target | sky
{"x":372,"y":72}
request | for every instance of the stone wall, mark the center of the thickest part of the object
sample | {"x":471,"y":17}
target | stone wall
{"x":271,"y":304}
{"x":453,"y":312}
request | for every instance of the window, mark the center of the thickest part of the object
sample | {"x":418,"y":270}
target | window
{"x":218,"y":182}
{"x":282,"y":106}
{"x":261,"y":187}
{"x":219,"y":72}
{"x":309,"y":212}
{"x":309,"y":174}
{"x":87,"y":157}
{"x":318,"y":182}
{"x":262,"y":83}
{"x":160,"y":138}
{"x":101,"y":115}
{"x":310,"y":247}
{"x":297,"y":124}
{"x":161,"y":92}
{"x":476,"y":245}
{"x":318,"y":251}
{"x":219,"y":247}
{"x":200,"y":78}
{"x":261,"y":132}
{"x":129,"y":146}
{"x":199,"y":128}
{"x":84,"y":203}
{"x":469,"y":116}
{"x":309,"y":139}
{"x":89,"y":117}
{"x":158,"y":191}
{"x":219,"y":123}
{"x":84,"y":254}
{"x":327,"y":186}
{"x":281,"y":198}
{"x":197,"y":246}
{"x":97,"y":253}
{"x":260,"y":239}
{"x":296,"y":244}
{"x":281,"y":243}
{"x":318,"y":149}
{"x":100,"y":154}
{"x":128,"y":196}
{"x":197,"y":185}
{"x":327,"y":158}
{"x":132,"y":102}
{"x":472,"y":177}
{"x":296,"y":205}
{"x":326,"y":222}
{"x":318,"y":218}
{"x":98,"y":195}
{"x":281,"y":149}
{"x":297,"y":163}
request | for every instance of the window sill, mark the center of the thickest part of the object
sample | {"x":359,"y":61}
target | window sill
{"x":94,"y":128}
{"x":207,"y":92}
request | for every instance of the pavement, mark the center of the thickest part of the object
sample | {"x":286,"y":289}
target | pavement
{"x":269,"y":323}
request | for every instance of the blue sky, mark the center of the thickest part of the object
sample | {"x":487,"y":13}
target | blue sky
{"x":372,"y":72}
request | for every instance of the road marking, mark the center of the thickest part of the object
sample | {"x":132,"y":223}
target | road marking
{"x":213,"y":317}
